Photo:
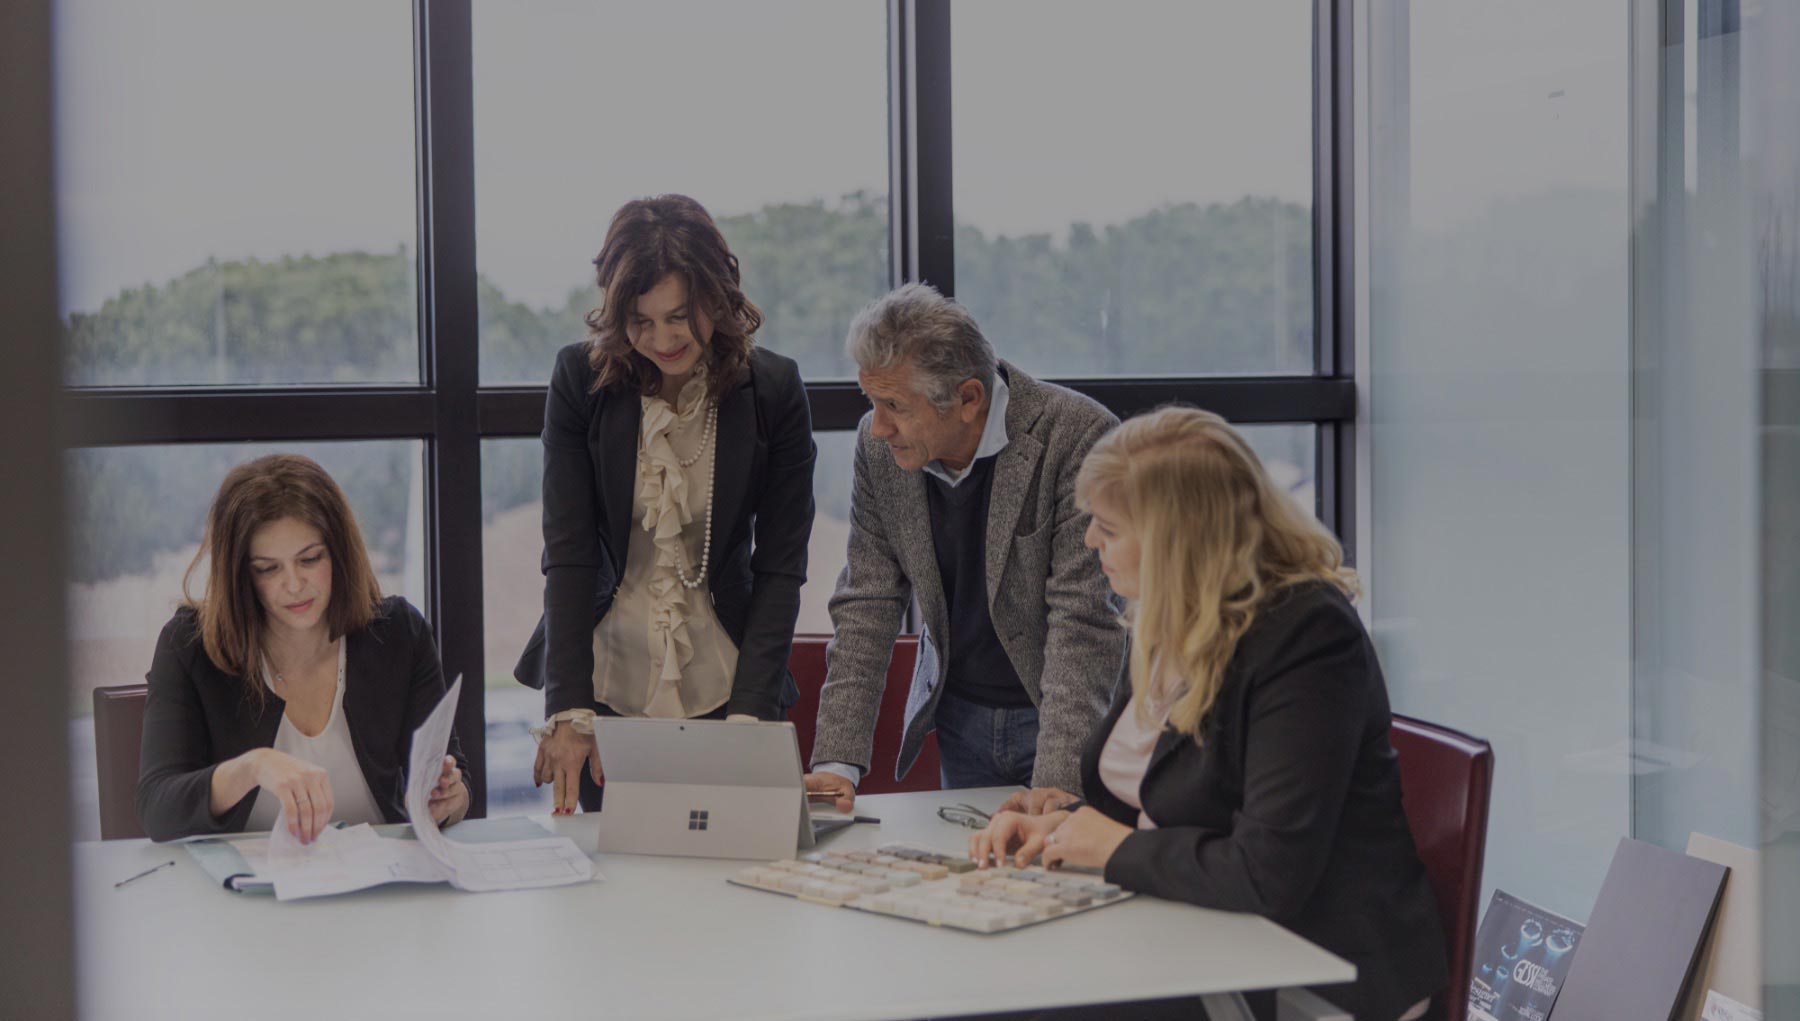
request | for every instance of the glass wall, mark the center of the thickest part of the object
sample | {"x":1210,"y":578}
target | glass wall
{"x":1770,"y":38}
{"x":1694,"y":399}
{"x":1499,"y":411}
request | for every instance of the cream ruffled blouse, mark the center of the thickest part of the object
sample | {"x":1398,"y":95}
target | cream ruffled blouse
{"x":660,"y":651}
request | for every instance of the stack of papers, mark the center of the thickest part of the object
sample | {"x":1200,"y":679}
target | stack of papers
{"x":342,"y":860}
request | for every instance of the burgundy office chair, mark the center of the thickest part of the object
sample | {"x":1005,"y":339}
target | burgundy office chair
{"x":1445,"y":780}
{"x":118,"y":732}
{"x":807,"y":661}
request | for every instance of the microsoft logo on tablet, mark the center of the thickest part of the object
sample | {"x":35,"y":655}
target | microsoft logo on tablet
{"x":697,"y":819}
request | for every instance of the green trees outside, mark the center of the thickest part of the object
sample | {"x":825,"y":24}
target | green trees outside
{"x":350,"y":317}
{"x":1182,"y":289}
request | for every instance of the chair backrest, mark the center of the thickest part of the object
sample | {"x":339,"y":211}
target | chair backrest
{"x":1445,"y":780}
{"x":807,"y":662}
{"x":118,"y":733}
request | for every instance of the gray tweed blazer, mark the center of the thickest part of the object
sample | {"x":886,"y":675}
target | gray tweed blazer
{"x":1051,"y":606}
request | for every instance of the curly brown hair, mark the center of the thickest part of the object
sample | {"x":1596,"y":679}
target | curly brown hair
{"x":649,"y":239}
{"x":231,"y":619}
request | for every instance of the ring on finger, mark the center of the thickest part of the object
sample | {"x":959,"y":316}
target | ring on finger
{"x":1051,"y":839}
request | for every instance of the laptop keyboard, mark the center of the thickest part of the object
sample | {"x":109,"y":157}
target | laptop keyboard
{"x":926,"y":886}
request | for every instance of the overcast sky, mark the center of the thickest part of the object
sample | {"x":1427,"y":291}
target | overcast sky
{"x":191,"y":129}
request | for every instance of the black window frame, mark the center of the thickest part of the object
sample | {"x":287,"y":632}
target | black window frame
{"x":452,"y":413}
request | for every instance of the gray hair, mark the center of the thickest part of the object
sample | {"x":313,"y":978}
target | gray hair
{"x":915,"y":323}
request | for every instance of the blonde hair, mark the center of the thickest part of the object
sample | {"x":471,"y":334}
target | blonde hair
{"x":1216,"y":538}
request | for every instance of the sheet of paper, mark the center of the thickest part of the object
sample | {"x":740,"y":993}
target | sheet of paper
{"x":355,"y":858}
{"x":1720,"y":1007}
{"x":429,"y":744}
{"x":337,"y":861}
{"x":520,"y":865}
{"x":511,"y":865}
{"x":285,"y":849}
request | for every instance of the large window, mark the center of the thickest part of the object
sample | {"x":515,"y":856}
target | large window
{"x":580,"y":107}
{"x":1134,"y":184}
{"x":229,"y":212}
{"x":379,"y":263}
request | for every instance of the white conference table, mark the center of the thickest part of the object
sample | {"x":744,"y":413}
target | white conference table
{"x":662,"y":938}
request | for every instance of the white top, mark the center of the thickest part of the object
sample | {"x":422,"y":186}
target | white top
{"x":330,"y":749}
{"x":172,"y":945}
{"x":660,"y":650}
{"x":1126,"y":756}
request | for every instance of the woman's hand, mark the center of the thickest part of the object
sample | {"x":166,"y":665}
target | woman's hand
{"x":1086,"y":839}
{"x":450,"y":798}
{"x":1037,"y":801}
{"x":560,"y":757}
{"x":1013,"y":832}
{"x":303,"y":789}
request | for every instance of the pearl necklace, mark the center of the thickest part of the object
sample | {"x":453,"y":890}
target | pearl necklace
{"x":707,"y":439}
{"x":706,"y":431}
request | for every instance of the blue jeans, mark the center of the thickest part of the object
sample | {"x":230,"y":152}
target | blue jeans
{"x":982,"y":747}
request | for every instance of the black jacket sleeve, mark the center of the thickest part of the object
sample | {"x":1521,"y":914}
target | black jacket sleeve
{"x":573,"y":554}
{"x":176,"y":759}
{"x":784,"y":520}
{"x":1303,"y":727}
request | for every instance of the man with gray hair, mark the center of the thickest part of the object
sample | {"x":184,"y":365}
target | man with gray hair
{"x":965,"y":499}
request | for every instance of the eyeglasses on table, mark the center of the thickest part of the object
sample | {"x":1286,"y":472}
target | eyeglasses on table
{"x":964,"y":815}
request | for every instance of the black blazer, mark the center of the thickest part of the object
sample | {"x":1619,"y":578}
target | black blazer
{"x":1290,"y":807}
{"x":197,"y":717}
{"x":763,"y":483}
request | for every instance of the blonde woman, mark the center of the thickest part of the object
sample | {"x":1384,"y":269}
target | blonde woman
{"x":1245,"y":762}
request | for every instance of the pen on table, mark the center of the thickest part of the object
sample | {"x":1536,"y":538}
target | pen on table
{"x":865,"y":818}
{"x":140,"y":875}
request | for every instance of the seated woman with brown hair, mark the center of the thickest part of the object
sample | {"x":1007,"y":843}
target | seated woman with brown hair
{"x":290,"y":684}
{"x":1245,"y":763}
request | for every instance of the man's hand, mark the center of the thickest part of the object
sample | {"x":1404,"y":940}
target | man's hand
{"x":843,"y":792}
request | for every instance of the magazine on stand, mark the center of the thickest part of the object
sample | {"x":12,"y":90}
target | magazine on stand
{"x":1522,"y":955}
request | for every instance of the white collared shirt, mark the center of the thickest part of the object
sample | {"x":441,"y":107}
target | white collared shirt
{"x":993,"y":435}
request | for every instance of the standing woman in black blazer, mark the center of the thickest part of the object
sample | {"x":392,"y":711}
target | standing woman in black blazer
{"x":678,"y":462}
{"x":290,"y":685}
{"x":1245,"y":764}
